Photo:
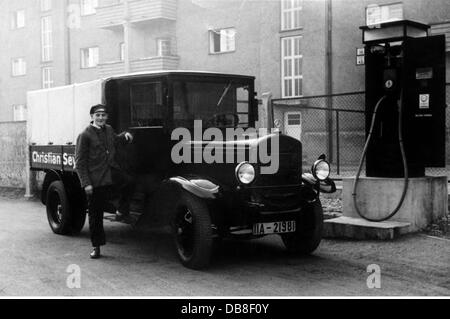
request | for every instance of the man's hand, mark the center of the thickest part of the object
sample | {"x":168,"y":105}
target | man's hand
{"x":129,"y":137}
{"x":89,"y":190}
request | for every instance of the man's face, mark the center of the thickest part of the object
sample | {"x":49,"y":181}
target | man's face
{"x":100,"y":118}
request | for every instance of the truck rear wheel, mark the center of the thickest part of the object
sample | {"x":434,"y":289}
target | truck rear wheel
{"x":58,"y":209}
{"x":308,"y":235}
{"x":65,"y":216}
{"x":192,"y":232}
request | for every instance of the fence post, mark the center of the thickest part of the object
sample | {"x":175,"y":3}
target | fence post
{"x":29,"y":176}
{"x":338,"y":149}
{"x":329,"y":73}
{"x":329,"y":118}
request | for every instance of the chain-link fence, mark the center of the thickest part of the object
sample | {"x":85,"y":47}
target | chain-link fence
{"x":335,"y":125}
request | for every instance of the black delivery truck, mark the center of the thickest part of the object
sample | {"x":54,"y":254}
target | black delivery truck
{"x":200,"y":164}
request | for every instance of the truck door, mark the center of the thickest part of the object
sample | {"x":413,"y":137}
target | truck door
{"x":149,"y":125}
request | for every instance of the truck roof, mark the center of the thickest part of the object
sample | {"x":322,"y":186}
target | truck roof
{"x":143,"y":74}
{"x":177,"y":72}
{"x":58,"y":114}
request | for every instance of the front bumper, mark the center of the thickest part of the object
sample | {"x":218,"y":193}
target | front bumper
{"x":263,"y":204}
{"x":252,"y":205}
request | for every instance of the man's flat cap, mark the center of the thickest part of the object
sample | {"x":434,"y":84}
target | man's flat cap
{"x":98,"y":108}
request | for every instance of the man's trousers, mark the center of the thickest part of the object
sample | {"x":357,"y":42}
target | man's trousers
{"x":97,"y":204}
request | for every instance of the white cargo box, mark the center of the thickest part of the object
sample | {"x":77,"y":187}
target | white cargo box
{"x":59,"y":114}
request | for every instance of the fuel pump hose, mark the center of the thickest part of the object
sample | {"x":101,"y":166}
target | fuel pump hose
{"x":402,"y":150}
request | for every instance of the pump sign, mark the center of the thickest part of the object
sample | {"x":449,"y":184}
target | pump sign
{"x":52,"y":157}
{"x":424,"y":101}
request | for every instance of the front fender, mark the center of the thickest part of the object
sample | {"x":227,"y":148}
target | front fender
{"x":50,"y":177}
{"x":199,"y":187}
{"x":163,"y":199}
{"x":328,"y":186}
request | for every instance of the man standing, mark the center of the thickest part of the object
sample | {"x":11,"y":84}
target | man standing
{"x":96,"y":166}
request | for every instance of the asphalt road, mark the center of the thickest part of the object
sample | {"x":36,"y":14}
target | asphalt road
{"x":35,"y":262}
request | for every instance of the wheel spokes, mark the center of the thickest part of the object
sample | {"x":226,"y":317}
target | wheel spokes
{"x":184,"y":229}
{"x":59,"y":212}
{"x":188,"y":217}
{"x":56,"y":208}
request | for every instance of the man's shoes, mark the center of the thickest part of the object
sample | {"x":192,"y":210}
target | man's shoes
{"x":95,"y":254}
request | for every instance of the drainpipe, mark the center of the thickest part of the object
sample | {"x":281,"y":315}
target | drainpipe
{"x":126,"y":36}
{"x":67,"y":40}
{"x":329,"y":76}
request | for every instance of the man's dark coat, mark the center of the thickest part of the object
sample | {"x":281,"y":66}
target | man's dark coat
{"x":95,"y":155}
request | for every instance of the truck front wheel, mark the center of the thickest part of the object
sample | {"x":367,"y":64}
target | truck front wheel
{"x":192,"y":232}
{"x":308,"y":235}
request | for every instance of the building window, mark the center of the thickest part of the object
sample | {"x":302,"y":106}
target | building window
{"x":376,"y":14}
{"x":163,"y":47}
{"x":88,"y":7}
{"x":46,"y":39}
{"x":291,"y":57}
{"x":19,"y":113}
{"x":19,"y":67}
{"x":291,"y":14}
{"x":46,"y":5}
{"x":122,"y":51}
{"x":222,"y":40}
{"x":89,"y":57}
{"x":47,"y":78}
{"x":18,"y":19}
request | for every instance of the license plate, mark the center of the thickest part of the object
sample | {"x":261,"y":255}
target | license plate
{"x":274,"y":228}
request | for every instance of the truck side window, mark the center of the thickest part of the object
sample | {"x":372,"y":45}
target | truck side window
{"x":210,"y":102}
{"x":147,"y":107}
{"x":183,"y":112}
{"x":242,"y":105}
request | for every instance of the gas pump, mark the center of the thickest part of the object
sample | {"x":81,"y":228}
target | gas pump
{"x":405,"y":103}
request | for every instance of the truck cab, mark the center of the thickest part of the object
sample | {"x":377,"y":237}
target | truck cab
{"x":201,"y":166}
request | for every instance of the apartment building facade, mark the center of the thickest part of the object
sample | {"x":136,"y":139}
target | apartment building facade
{"x":293,"y":47}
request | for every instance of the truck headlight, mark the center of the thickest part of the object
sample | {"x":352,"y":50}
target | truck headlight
{"x":245,"y":173}
{"x":321,"y":170}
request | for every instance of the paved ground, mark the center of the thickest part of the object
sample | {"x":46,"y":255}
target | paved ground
{"x":34,"y":262}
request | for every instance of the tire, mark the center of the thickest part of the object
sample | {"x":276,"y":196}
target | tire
{"x":308,"y":235}
{"x":192,"y":232}
{"x":59,"y":213}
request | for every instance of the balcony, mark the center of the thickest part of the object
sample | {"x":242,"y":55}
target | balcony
{"x":158,"y":63}
{"x":113,"y":16}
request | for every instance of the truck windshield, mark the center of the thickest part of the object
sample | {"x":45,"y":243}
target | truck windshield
{"x":215,"y":104}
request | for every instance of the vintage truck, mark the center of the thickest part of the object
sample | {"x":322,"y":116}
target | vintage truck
{"x":190,"y":172}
